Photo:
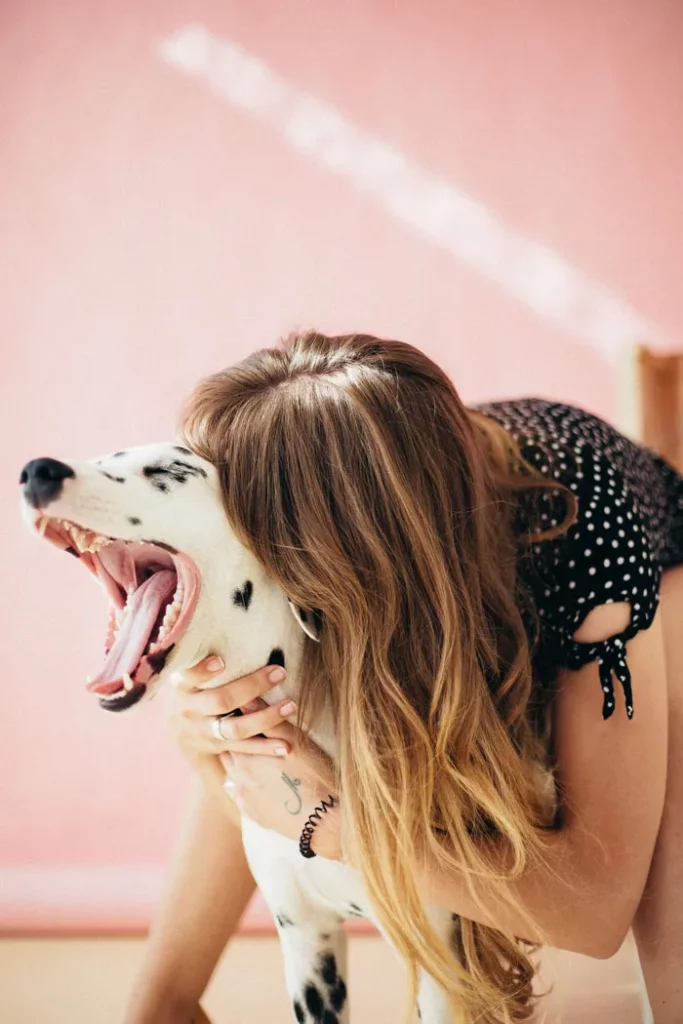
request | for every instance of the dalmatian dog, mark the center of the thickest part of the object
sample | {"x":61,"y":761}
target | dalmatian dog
{"x":148,"y":523}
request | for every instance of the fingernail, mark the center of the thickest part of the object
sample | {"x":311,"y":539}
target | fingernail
{"x":215,"y":664}
{"x":288,"y":708}
{"x":281,"y":751}
{"x":253,"y":705}
{"x":277,"y":674}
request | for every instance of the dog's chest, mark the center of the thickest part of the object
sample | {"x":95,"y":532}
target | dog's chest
{"x":297,"y":886}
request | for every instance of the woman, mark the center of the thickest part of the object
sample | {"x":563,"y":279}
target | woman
{"x":496,"y":589}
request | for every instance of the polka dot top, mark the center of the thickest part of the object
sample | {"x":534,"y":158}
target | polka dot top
{"x":629,"y":528}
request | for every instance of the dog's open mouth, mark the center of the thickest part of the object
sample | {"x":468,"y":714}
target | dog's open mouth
{"x":153,"y":591}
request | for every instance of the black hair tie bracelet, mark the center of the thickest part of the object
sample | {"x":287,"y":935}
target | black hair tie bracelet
{"x":312,"y":822}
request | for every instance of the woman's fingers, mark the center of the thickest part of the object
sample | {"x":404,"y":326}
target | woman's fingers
{"x":201,"y":673}
{"x":204,"y":743}
{"x":221,"y":700}
{"x":235,"y":728}
{"x":203,"y":718}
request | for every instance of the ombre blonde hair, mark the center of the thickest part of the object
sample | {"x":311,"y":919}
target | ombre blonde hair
{"x":356,"y":476}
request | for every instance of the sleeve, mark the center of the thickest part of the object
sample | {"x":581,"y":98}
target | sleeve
{"x":607,"y":558}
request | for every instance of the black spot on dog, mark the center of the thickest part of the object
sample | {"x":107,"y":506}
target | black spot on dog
{"x":160,"y":544}
{"x":242,"y":598}
{"x":314,"y":1001}
{"x":116,"y":479}
{"x":117,"y":454}
{"x":328,"y":968}
{"x":72,"y":551}
{"x":177,"y":471}
{"x":355,"y":910}
{"x":325,"y":936}
{"x":179,"y":448}
{"x":314,"y":614}
{"x":329,"y":1018}
{"x":276,"y":657}
{"x":338,"y":995}
{"x":299,"y":1012}
{"x":134,"y":521}
{"x":158,"y":660}
{"x":192,"y":470}
{"x":283,"y":921}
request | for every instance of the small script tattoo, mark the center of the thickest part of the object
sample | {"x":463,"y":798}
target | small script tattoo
{"x":294,"y":786}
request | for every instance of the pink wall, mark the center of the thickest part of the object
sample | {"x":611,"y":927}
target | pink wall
{"x":159,"y":223}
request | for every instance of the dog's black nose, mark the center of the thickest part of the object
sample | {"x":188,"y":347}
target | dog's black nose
{"x":42,"y":480}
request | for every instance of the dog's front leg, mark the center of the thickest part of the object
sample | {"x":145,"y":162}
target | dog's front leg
{"x":314,"y":953}
{"x":433,"y":1004}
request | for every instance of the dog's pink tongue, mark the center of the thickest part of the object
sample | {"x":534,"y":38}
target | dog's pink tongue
{"x":133,"y":637}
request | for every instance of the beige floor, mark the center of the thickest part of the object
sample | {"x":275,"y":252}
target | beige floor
{"x":84,"y":981}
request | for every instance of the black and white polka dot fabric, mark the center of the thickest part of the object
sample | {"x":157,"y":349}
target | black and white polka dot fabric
{"x":628,"y":530}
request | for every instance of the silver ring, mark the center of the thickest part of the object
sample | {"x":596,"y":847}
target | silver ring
{"x":216,"y":730}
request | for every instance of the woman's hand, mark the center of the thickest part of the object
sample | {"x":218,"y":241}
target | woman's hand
{"x":276,"y":776}
{"x":281,"y":794}
{"x":197,"y":704}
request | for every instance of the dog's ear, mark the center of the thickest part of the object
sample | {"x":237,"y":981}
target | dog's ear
{"x":310,"y":620}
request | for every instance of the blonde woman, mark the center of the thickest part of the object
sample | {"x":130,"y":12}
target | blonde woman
{"x":496,"y":588}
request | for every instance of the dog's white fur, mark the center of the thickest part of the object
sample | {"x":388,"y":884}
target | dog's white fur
{"x":308,"y":898}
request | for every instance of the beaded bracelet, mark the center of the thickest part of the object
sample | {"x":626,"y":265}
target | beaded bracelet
{"x":312,"y":822}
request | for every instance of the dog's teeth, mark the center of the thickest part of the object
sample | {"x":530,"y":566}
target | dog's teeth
{"x":42,"y":526}
{"x":89,"y":679}
{"x":128,"y":683}
{"x":97,"y":544}
{"x":80,"y":537}
{"x":115,"y":696}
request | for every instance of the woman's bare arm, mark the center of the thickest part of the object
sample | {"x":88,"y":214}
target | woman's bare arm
{"x":613,"y":777}
{"x":209,"y":889}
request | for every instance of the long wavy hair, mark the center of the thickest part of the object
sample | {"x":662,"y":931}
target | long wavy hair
{"x":354,"y":473}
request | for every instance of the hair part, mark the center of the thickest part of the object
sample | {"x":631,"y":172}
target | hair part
{"x":352,"y":470}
